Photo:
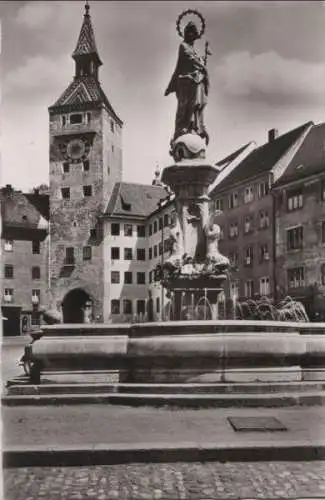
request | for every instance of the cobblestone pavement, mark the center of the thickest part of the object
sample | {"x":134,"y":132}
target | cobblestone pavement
{"x":211,"y":480}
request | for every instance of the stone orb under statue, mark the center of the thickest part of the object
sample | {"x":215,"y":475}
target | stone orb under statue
{"x":188,"y":147}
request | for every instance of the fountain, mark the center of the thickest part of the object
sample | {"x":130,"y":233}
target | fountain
{"x":193,"y":351}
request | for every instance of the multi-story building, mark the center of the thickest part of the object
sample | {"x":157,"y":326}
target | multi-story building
{"x":24,"y":258}
{"x":300,"y":224}
{"x":248,"y":222}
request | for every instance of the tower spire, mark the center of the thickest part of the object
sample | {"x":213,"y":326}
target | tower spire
{"x":86,"y":53}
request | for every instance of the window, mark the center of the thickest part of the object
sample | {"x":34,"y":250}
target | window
{"x":141,"y":254}
{"x":295,"y":238}
{"x":115,"y":277}
{"x":248,"y":224}
{"x":264,"y":220}
{"x":155,"y":226}
{"x":233,"y":200}
{"x":69,"y":256}
{"x":128,"y":278}
{"x":141,"y":306}
{"x":157,"y":305}
{"x":93,"y":234}
{"x":265,"y":285}
{"x":323,"y":232}
{"x":160,"y":223}
{"x":141,"y":278}
{"x":296,"y":277}
{"x":65,"y":193}
{"x":141,"y":231}
{"x":8,"y":246}
{"x":76,"y":118}
{"x":150,"y":253}
{"x":112,"y":126}
{"x":233,"y":230}
{"x":127,"y":253}
{"x":115,"y":229}
{"x":166,"y":245}
{"x":249,"y":288}
{"x":264,"y":252}
{"x":127,"y":229}
{"x":88,"y":191}
{"x":160,"y":248}
{"x":323,"y":274}
{"x":88,"y":117}
{"x":295,"y":200}
{"x":248,"y":256}
{"x":263,"y":189}
{"x":66,"y":167}
{"x":63,"y":120}
{"x":219,"y":204}
{"x":85,"y":164}
{"x":115,"y":306}
{"x":86,"y":253}
{"x":150,"y":277}
{"x":155,"y":251}
{"x":36,"y":246}
{"x":115,"y":253}
{"x":127,"y":306}
{"x":166,"y":220}
{"x":36,"y":296}
{"x":248,"y":194}
{"x":9,"y":271}
{"x":8,"y":295}
{"x":150,"y":229}
{"x":233,"y":257}
{"x":36,"y":273}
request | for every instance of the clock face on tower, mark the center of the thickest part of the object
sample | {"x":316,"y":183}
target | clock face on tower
{"x":75,"y":150}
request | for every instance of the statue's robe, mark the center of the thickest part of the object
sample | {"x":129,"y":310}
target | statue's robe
{"x":190,"y":83}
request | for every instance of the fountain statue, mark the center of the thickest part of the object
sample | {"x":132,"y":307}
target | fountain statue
{"x":195,"y":265}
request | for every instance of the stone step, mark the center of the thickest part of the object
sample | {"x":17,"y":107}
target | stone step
{"x":281,"y":399}
{"x":23,"y":388}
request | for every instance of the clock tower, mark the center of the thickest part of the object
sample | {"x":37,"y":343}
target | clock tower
{"x":85,"y":163}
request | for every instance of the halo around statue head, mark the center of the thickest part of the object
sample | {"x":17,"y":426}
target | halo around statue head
{"x":186,"y":13}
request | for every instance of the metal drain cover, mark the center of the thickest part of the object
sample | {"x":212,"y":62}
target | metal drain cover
{"x":256,"y":424}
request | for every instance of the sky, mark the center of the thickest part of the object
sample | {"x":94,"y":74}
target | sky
{"x":267,"y":70}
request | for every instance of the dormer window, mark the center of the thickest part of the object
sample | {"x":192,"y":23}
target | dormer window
{"x":75,"y":118}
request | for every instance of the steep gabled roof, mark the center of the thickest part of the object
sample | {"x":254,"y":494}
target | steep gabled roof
{"x":84,"y":90}
{"x":230,"y":158}
{"x":21,"y":210}
{"x":138,"y":200}
{"x":309,"y":159}
{"x":262,"y":159}
{"x":86,"y":43}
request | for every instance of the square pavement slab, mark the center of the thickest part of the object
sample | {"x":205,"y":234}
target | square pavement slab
{"x":256,"y":424}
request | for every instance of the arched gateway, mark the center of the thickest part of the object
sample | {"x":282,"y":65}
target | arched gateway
{"x":77,"y":307}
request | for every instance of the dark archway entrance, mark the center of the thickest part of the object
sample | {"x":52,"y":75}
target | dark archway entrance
{"x":73,"y":306}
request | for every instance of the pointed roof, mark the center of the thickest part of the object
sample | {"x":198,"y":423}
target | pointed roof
{"x":86,"y":44}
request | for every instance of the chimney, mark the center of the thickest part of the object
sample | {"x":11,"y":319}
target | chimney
{"x":273,"y":134}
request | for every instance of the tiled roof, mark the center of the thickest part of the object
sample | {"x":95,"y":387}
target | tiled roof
{"x":263,"y":158}
{"x":86,"y":42}
{"x":225,"y":161}
{"x":85,"y":89}
{"x":19,"y":210}
{"x":135,"y":199}
{"x":310,"y":157}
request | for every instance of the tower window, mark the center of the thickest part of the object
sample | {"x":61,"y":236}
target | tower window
{"x":65,"y":193}
{"x":86,"y":251}
{"x":87,"y":190}
{"x":76,"y":118}
{"x":86,"y":165}
{"x":69,"y":256}
{"x":66,"y":167}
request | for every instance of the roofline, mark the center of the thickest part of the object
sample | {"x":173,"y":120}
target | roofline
{"x":251,"y":146}
{"x":301,"y":180}
{"x":69,"y":108}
